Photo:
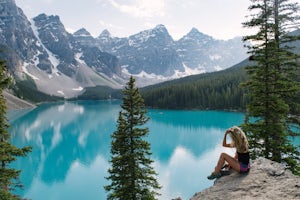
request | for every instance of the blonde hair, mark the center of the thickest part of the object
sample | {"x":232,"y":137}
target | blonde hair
{"x":239,"y":140}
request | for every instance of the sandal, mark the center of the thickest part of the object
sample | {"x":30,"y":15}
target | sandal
{"x":214,"y":175}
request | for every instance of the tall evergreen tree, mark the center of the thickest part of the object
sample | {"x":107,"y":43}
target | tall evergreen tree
{"x":131,"y":174}
{"x":8,"y":152}
{"x":272,"y":86}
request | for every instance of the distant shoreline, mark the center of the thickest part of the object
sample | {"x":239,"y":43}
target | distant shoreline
{"x":15,"y":103}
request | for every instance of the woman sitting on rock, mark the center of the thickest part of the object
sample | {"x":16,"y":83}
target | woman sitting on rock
{"x":240,"y":162}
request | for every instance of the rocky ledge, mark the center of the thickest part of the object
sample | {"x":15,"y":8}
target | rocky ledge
{"x":266,"y":180}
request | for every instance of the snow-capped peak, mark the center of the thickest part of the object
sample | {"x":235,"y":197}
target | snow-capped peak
{"x":82,"y":32}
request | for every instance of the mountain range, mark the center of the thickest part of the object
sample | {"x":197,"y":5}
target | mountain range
{"x":63,"y":64}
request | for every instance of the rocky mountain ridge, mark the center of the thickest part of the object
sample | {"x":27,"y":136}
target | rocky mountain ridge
{"x":155,"y":47}
{"x":63,"y":64}
{"x":43,"y":52}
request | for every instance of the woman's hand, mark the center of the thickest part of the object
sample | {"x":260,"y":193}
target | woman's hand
{"x":225,"y":144}
{"x":228,"y":130}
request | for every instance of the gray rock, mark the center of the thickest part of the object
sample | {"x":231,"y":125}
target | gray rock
{"x":266,"y":180}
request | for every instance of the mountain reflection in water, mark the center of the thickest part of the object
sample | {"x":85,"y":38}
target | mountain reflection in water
{"x":71,"y":148}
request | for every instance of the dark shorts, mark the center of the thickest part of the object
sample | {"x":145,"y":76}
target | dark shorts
{"x":244,"y":167}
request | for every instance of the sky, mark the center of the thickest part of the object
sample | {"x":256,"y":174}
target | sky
{"x":221,"y":19}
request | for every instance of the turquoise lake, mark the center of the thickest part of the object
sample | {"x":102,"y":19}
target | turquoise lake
{"x":71,"y":148}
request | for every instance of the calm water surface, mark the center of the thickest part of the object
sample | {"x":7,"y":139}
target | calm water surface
{"x":71,"y":148}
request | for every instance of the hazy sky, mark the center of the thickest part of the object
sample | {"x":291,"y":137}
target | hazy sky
{"x":220,"y":19}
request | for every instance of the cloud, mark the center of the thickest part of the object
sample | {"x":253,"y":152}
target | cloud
{"x":142,"y":8}
{"x":49,"y":1}
{"x":185,"y":169}
{"x":109,"y":25}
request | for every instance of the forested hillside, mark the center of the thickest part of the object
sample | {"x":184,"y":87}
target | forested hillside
{"x":216,"y":90}
{"x":220,"y":90}
{"x":100,"y":93}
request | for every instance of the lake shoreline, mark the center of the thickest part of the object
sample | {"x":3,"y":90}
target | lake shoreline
{"x":15,"y":103}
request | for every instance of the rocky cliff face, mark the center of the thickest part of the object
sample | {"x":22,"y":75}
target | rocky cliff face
{"x":59,"y":63}
{"x":57,"y":40}
{"x":73,"y":49}
{"x":17,"y":39}
{"x":154,"y":51}
{"x":205,"y":54}
{"x":150,"y":51}
{"x":84,"y":38}
{"x":266,"y":180}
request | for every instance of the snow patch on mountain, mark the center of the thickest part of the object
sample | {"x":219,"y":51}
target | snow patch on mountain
{"x":143,"y":78}
{"x":191,"y":71}
{"x":61,"y":92}
{"x":78,"y":56}
{"x":78,"y":89}
{"x":54,"y":61}
{"x":24,"y":68}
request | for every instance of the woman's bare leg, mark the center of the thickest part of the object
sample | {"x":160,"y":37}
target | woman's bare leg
{"x":230,"y":160}
{"x":235,"y":157}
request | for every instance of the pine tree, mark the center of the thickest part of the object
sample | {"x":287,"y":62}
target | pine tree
{"x":8,"y":152}
{"x":272,"y":86}
{"x":131,"y":174}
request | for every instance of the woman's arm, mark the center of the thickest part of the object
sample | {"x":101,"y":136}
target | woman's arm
{"x":225,"y":144}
